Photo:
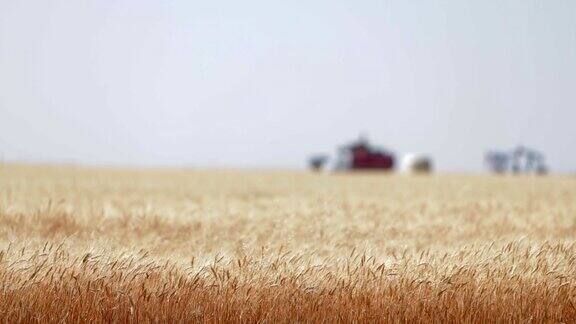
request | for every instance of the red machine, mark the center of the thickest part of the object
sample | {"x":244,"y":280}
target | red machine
{"x":361,"y":155}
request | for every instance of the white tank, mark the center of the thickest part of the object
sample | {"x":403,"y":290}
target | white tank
{"x":416,"y":163}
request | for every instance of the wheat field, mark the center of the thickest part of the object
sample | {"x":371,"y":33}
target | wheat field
{"x":109,"y":245}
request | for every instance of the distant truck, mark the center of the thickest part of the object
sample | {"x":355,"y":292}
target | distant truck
{"x":413,"y":163}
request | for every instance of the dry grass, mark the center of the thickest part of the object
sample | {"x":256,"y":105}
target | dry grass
{"x":172,"y":246}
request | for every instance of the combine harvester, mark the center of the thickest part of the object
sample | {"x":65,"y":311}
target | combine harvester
{"x":362,"y":155}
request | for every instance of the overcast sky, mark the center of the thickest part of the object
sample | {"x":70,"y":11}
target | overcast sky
{"x":230,"y":83}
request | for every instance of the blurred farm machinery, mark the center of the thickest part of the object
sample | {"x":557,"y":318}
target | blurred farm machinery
{"x":520,"y":160}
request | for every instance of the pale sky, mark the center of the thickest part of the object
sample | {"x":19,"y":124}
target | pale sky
{"x":265,"y":84}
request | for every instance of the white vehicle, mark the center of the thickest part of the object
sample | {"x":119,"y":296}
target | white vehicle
{"x":416,"y":163}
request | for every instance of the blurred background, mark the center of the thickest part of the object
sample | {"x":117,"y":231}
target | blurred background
{"x":265,"y":84}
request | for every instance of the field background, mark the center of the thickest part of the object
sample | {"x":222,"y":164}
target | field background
{"x":82,"y":244}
